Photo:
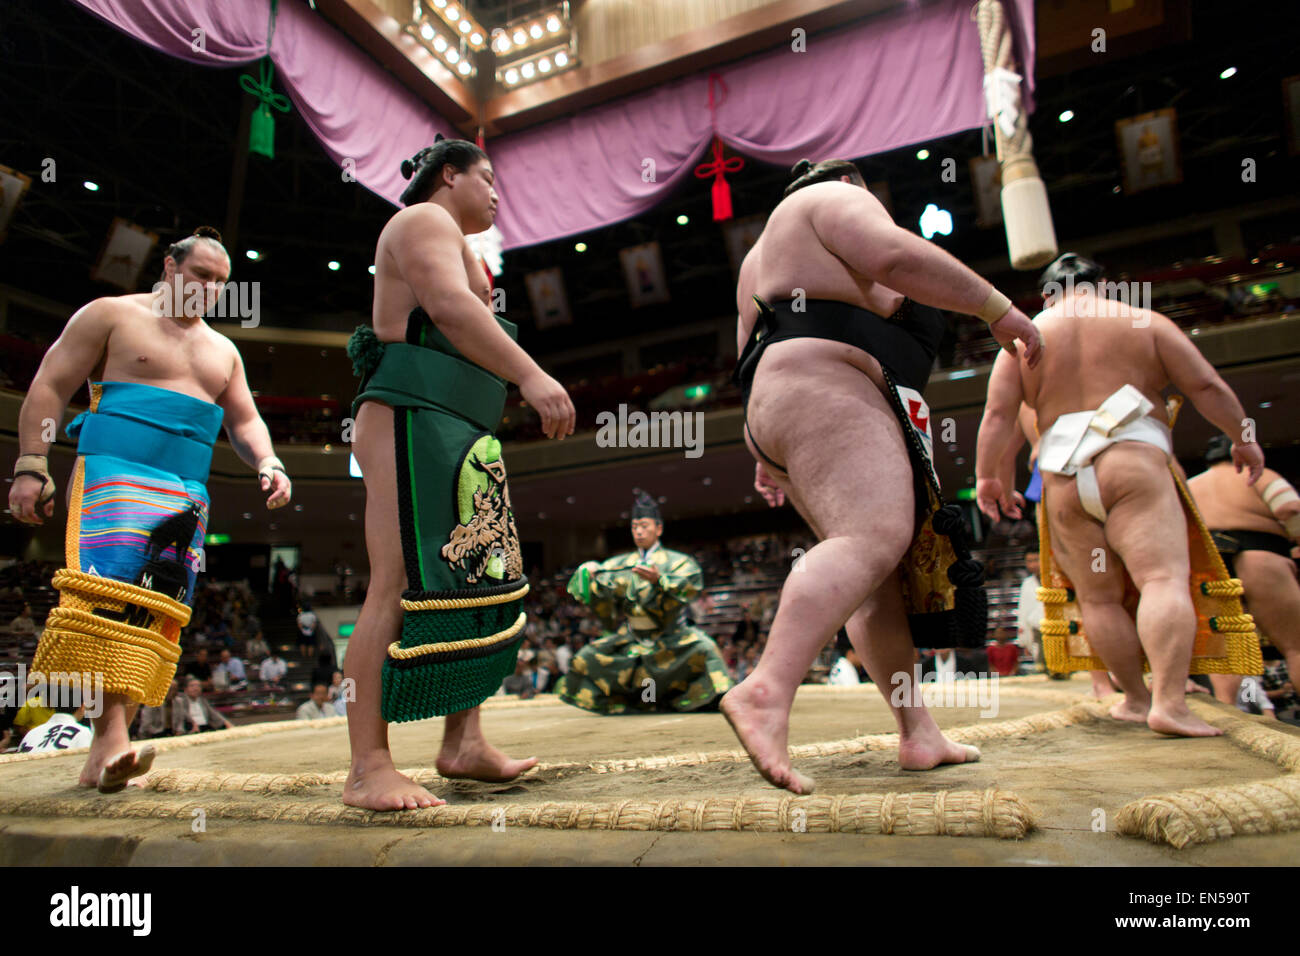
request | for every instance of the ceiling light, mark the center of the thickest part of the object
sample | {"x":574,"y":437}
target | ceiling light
{"x":334,"y":265}
{"x":535,"y":31}
{"x":93,"y":187}
{"x":453,"y":56}
{"x":580,"y":247}
{"x":520,"y":38}
{"x":1066,"y":116}
{"x":465,"y":26}
{"x":371,"y":270}
{"x":476,"y":38}
{"x":253,"y":254}
{"x":512,"y":76}
{"x":553,"y":24}
{"x":561,"y":59}
{"x":426,"y":31}
{"x":683,"y":220}
{"x":527,"y":70}
{"x":439,"y":43}
{"x":1229,"y":73}
{"x":453,"y":14}
{"x":464,"y":68}
{"x":922,"y":154}
{"x":544,"y":64}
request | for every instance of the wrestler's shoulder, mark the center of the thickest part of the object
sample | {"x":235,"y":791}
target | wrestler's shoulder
{"x":110,"y":309}
{"x":422,"y":215}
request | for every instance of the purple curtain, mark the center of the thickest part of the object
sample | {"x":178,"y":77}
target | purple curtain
{"x":896,"y":79}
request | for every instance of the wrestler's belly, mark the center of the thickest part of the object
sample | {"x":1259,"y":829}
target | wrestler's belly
{"x":185,"y":385}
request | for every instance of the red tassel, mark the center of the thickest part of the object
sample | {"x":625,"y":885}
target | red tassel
{"x":721,"y":199}
{"x":718,"y":169}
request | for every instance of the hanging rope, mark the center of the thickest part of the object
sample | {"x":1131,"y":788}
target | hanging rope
{"x":718,"y":167}
{"x":261,"y":133}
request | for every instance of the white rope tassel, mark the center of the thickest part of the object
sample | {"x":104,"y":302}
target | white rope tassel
{"x":1031,"y":237}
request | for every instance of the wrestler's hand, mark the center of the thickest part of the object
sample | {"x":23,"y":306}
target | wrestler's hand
{"x":277,"y":482}
{"x":24,"y":500}
{"x":766,"y":487}
{"x":1250,"y":456}
{"x":989,"y":496}
{"x":1016,"y":325}
{"x":551,"y":402}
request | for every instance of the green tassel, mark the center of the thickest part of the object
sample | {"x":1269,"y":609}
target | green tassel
{"x":365,"y":350}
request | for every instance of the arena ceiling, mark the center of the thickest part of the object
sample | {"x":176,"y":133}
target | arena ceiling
{"x":159,"y":136}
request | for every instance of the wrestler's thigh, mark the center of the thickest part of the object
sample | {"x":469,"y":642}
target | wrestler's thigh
{"x":1145,"y":522}
{"x":1079,"y":544}
{"x":373,"y":446}
{"x":849,"y":469}
{"x":1272,"y":594}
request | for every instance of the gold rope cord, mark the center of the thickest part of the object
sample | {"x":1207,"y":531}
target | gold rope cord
{"x":431,"y":650}
{"x":447,"y":604}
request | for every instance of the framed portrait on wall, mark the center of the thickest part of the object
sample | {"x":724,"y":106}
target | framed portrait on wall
{"x":125,"y":252}
{"x":1291,"y":106}
{"x":643,"y":268}
{"x":12,"y":186}
{"x":1148,"y":149}
{"x":546,"y":293}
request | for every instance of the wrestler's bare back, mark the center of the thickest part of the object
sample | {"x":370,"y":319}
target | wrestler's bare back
{"x":184,"y":355}
{"x":788,"y":256}
{"x":394,"y":297}
{"x":1227,"y":502}
{"x":1096,"y":346}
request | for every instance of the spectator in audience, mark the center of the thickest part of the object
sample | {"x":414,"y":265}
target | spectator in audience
{"x":272,"y":670}
{"x":23,"y":623}
{"x":338,"y":694}
{"x":219,"y":633}
{"x":307,"y":622}
{"x":747,"y":662}
{"x":153,"y":720}
{"x":1004,"y":654}
{"x":317,"y":706}
{"x":231,"y":668}
{"x":1029,"y":610}
{"x":200,"y":668}
{"x":10,"y":695}
{"x":563,"y":655}
{"x":255,"y":649}
{"x":192,"y":713}
{"x":521,"y":681}
{"x":945,"y":664}
{"x":323,"y":672}
{"x":844,"y":672}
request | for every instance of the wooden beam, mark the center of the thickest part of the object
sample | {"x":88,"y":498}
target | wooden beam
{"x":762,"y":28}
{"x":401,"y":54}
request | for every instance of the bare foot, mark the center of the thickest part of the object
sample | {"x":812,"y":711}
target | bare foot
{"x":1180,"y":723}
{"x":763,"y":728}
{"x":115,"y":774}
{"x":383,"y":788}
{"x":928,"y":748}
{"x":479,"y":760}
{"x":1191,"y":687}
{"x":1127,"y":710}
